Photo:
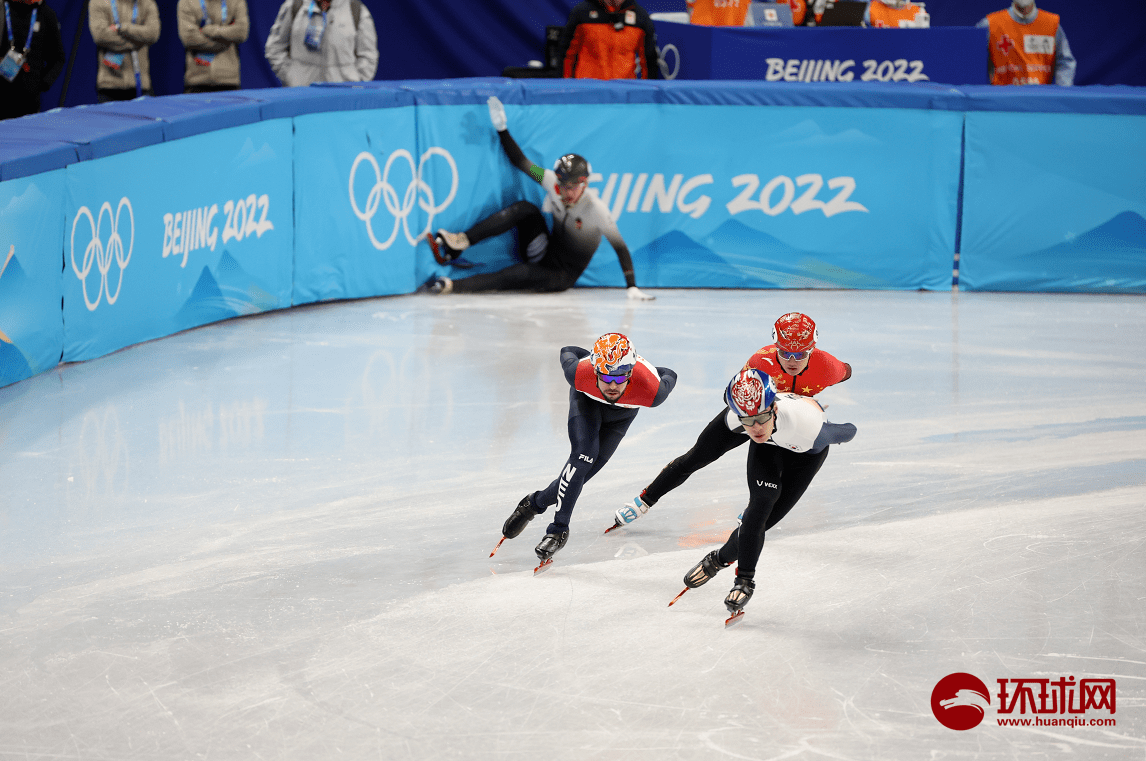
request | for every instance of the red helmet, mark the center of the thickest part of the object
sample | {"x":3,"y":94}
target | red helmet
{"x":795,"y":332}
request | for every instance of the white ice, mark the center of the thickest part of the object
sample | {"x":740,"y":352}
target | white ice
{"x":269,"y":538}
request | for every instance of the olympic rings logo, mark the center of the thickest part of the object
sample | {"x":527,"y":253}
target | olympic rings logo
{"x":418,"y":191}
{"x":100,"y":255}
{"x":662,"y":61}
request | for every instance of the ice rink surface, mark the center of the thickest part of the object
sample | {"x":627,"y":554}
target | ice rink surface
{"x":269,"y":538}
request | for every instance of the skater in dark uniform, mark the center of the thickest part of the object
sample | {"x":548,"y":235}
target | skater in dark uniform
{"x":790,"y":436}
{"x":609,"y":385}
{"x":549,"y":261}
{"x":794,"y":364}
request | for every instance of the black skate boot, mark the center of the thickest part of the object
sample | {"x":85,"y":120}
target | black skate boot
{"x":740,"y":594}
{"x":549,"y":546}
{"x":520,"y":518}
{"x":700,"y":573}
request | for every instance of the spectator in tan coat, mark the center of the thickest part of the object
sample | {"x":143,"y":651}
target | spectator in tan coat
{"x":211,"y":31}
{"x":123,"y":31}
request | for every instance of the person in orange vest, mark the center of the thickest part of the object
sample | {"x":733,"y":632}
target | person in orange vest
{"x":1026,"y":46}
{"x":718,"y":12}
{"x":609,"y":39}
{"x":887,"y":14}
{"x":800,"y":15}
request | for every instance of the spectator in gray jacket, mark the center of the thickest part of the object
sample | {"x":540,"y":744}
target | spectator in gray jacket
{"x":322,"y":41}
{"x":211,"y":31}
{"x":124,"y":31}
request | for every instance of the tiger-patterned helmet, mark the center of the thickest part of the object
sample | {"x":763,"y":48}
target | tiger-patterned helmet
{"x":613,"y":355}
{"x":749,"y":393}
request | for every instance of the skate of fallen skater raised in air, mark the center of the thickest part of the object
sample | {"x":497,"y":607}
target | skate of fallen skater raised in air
{"x":607,"y":387}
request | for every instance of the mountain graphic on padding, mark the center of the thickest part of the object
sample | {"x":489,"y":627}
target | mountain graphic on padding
{"x":228,"y":292}
{"x":675,"y":258}
{"x":205,"y":304}
{"x":14,"y":365}
{"x":764,"y":259}
{"x":1110,"y":257}
{"x":244,"y":294}
{"x":1127,"y":231}
{"x":735,"y":255}
{"x":735,"y":237}
{"x":12,"y":277}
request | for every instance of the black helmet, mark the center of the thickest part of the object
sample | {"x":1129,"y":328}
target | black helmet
{"x":571,"y":167}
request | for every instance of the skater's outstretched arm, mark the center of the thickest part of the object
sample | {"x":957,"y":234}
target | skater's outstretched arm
{"x":508,"y":144}
{"x":618,"y":243}
{"x":570,"y":357}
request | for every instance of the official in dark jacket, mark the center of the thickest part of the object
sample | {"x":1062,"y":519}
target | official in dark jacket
{"x":32,"y":56}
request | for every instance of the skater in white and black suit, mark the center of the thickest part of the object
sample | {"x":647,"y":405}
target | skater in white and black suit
{"x":608,"y":386}
{"x":790,"y":435}
{"x":549,"y":261}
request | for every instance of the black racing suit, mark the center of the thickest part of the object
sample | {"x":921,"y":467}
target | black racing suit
{"x":550,"y":261}
{"x":595,"y":430}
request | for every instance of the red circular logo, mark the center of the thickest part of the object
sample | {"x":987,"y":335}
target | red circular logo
{"x":960,"y":701}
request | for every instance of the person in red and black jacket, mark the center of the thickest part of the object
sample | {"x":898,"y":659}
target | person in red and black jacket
{"x":609,"y":39}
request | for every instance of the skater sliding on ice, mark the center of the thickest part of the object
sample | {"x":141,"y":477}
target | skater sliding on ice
{"x":790,"y":435}
{"x":548,"y":261}
{"x":608,"y":386}
{"x":794,"y":364}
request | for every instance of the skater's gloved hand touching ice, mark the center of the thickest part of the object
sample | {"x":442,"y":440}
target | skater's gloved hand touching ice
{"x":497,"y":114}
{"x":636,"y":294}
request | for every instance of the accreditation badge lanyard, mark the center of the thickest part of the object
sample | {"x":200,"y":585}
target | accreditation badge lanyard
{"x":207,"y":19}
{"x":14,"y":60}
{"x":202,"y":57}
{"x":314,"y":32}
{"x":134,"y":53}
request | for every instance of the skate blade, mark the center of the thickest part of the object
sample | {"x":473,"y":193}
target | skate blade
{"x":437,"y":252}
{"x":678,"y":596}
{"x":734,"y":619}
{"x":545,"y":566}
{"x":495,"y":549}
{"x":614,"y":527}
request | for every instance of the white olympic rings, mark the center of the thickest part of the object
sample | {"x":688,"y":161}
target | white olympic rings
{"x":99,"y":254}
{"x":417,"y":190}
{"x":662,"y":61}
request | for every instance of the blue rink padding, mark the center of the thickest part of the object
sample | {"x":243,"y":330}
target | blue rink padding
{"x":327,"y":192}
{"x":1054,"y":202}
{"x":149,"y":253}
{"x":25,"y":157}
{"x":31,"y":322}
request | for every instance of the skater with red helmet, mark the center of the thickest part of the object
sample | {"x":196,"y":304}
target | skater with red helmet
{"x":608,"y":386}
{"x":789,"y":436}
{"x":549,"y":260}
{"x":794,"y":364}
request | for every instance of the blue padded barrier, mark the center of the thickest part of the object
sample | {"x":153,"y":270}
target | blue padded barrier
{"x":202,"y":207}
{"x":916,"y":95}
{"x":1051,"y":99}
{"x":96,"y":131}
{"x":185,"y":115}
{"x":27,"y":156}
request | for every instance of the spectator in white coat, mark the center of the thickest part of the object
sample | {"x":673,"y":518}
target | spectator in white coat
{"x":322,"y":41}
